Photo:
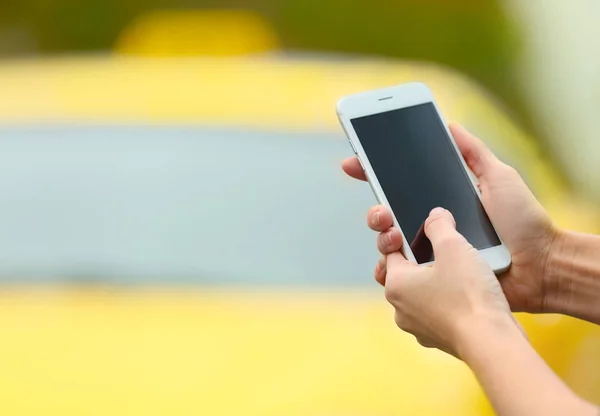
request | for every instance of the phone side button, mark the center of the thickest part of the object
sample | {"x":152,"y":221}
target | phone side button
{"x":379,"y":201}
{"x":352,"y":146}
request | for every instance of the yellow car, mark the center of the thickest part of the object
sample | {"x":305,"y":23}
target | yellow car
{"x":177,"y":238}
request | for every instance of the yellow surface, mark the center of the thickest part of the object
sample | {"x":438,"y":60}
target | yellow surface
{"x":204,"y":352}
{"x":164,"y":351}
{"x":161,"y":352}
{"x":246,"y":92}
{"x":266,"y":93}
{"x":197,"y":32}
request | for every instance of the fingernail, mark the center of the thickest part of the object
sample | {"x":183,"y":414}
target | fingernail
{"x":437,"y":211}
{"x":376,"y":218}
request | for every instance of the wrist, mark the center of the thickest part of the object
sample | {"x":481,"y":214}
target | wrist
{"x":474,"y":332}
{"x":555,"y":276}
{"x":572,"y":276}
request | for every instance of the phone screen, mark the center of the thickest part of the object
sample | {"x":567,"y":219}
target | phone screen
{"x":419,"y":169}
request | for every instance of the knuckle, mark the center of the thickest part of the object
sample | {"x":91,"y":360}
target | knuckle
{"x":402,"y":322}
{"x":395,"y":285}
{"x":392,"y":290}
{"x":390,"y":294}
{"x":508,"y":170}
{"x":449,"y":241}
{"x":433,"y":219}
{"x":425,"y":342}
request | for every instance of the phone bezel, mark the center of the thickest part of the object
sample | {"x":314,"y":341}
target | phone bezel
{"x":393,"y":98}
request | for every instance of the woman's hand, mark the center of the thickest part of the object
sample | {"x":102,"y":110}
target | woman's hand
{"x":437,"y":304}
{"x":518,"y":217}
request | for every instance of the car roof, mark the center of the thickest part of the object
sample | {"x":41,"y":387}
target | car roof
{"x":278,"y":91}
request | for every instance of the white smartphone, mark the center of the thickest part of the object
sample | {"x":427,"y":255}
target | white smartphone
{"x":413,"y":165}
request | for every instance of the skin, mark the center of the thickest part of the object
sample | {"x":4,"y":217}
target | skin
{"x":529,"y":236}
{"x":459,"y":306}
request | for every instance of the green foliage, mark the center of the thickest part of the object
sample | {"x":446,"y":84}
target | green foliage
{"x":473,"y":36}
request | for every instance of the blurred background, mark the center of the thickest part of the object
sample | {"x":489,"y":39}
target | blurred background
{"x":177,"y":236}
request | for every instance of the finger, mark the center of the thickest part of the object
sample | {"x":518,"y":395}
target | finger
{"x":379,"y":218}
{"x":399,"y":271}
{"x":440,"y":229}
{"x":396,"y":259}
{"x":389,"y":241}
{"x":478,"y":156}
{"x":381,"y":271}
{"x":352,"y":168}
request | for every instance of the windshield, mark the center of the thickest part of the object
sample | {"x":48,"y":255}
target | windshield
{"x":135,"y":204}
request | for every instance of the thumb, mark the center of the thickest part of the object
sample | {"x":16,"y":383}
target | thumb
{"x":397,"y":260}
{"x":440,"y":229}
{"x":477,"y":155}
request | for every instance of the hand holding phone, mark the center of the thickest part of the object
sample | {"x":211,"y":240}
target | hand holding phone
{"x":413,"y":165}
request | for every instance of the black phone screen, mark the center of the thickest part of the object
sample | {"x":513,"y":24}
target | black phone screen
{"x":419,"y":169}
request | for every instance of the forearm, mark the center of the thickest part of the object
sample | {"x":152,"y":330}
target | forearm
{"x":515,"y":378}
{"x":572,"y":281}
